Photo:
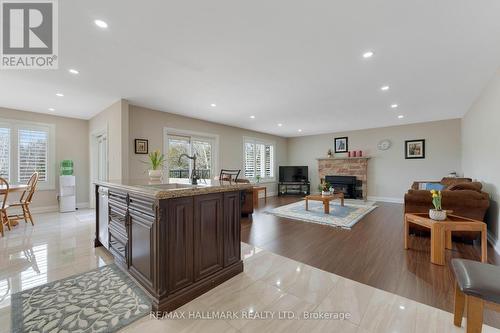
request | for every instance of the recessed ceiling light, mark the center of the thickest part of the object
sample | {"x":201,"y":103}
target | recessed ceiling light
{"x":59,"y":95}
{"x":101,"y":24}
{"x":394,"y":106}
{"x":52,"y":109}
{"x":384,"y":88}
{"x":252,"y":117}
{"x":401,"y":116}
{"x":300,"y":130}
{"x":368,"y":54}
{"x":213,"y":105}
{"x":280,"y":124}
{"x":73,"y":71}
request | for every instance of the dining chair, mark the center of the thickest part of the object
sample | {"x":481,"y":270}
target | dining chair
{"x":229,"y":175}
{"x":25,"y":200}
{"x":4,"y":219}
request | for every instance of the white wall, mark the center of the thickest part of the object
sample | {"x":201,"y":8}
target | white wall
{"x":389,"y":173}
{"x":480,"y":148}
{"x":149,"y":124}
{"x":70,"y":144}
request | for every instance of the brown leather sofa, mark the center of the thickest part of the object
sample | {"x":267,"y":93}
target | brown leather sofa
{"x":461,"y":195}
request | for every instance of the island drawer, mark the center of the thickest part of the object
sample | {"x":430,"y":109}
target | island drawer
{"x":143,"y":205}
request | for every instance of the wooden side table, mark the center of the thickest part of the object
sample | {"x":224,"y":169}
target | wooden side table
{"x":441,"y":232}
{"x":325,"y":199}
{"x":256,"y":190}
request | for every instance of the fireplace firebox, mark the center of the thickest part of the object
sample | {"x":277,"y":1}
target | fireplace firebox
{"x":349,"y":185}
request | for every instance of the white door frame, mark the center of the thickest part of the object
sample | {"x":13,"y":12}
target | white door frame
{"x":94,"y":160}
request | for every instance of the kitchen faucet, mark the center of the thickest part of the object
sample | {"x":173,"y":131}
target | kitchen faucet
{"x":194,"y":178}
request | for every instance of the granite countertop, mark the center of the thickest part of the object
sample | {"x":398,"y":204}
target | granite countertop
{"x":165,"y":190}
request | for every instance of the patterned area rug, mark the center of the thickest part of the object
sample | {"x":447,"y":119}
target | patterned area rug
{"x":102,"y":300}
{"x":343,"y":217}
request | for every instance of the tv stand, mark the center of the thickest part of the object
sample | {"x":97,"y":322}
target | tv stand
{"x":294,"y":188}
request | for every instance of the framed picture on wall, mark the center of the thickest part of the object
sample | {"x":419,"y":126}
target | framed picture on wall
{"x":341,"y":145}
{"x":141,"y":146}
{"x":414,"y":149}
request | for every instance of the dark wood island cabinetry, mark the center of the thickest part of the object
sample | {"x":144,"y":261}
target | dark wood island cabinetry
{"x":177,"y":241}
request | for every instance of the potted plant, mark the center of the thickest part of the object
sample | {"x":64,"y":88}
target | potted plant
{"x":257,"y":179}
{"x":437,"y":214}
{"x":156,"y":160}
{"x":325,"y":188}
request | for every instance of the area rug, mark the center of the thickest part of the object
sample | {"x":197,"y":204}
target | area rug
{"x":340,"y":216}
{"x":102,"y":300}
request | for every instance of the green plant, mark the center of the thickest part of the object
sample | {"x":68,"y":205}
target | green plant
{"x":156,"y":160}
{"x":436,"y":199}
{"x":258,"y":178}
{"x":324,"y":187}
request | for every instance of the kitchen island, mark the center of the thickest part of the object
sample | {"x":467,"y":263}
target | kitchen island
{"x":175,"y":240}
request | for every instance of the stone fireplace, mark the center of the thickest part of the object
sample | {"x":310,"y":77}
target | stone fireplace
{"x":345,"y":166}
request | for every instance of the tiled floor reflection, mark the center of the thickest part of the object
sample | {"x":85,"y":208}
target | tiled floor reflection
{"x":60,"y":245}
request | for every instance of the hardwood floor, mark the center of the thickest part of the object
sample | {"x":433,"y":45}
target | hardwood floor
{"x":371,"y":252}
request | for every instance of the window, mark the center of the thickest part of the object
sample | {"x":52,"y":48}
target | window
{"x":4,"y":152}
{"x":179,"y":142}
{"x":25,"y":148}
{"x":258,"y":159}
{"x":32,"y":154}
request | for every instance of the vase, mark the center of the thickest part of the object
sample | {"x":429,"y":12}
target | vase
{"x":437,"y":215}
{"x":155,"y":174}
{"x":326,"y":193}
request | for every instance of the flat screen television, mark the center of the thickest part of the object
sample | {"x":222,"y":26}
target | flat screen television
{"x":295,"y":174}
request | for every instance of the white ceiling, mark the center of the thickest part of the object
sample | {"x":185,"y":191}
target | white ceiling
{"x":285,"y":61}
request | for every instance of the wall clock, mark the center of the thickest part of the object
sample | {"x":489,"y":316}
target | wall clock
{"x":384,"y":145}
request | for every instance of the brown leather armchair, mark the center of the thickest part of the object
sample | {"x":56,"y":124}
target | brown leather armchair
{"x":461,"y":195}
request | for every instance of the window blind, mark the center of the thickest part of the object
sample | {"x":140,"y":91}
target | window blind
{"x":33,"y":153}
{"x":259,"y":160}
{"x":5,"y":153}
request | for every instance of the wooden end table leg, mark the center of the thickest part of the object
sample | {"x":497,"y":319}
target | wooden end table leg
{"x":407,"y":234}
{"x":307,"y":204}
{"x":265,"y":194}
{"x":342,"y":202}
{"x":437,"y":244}
{"x":484,"y":245}
{"x":326,"y":204}
{"x":449,"y":244}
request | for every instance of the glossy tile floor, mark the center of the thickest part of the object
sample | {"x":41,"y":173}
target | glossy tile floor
{"x":61,"y":245}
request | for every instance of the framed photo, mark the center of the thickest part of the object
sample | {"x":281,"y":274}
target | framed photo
{"x":141,"y":146}
{"x":341,"y":145}
{"x":414,"y":149}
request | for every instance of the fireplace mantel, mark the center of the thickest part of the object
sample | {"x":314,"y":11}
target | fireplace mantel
{"x":343,"y":158}
{"x":345,"y":166}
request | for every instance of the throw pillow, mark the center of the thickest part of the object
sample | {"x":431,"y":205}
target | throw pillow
{"x":434,"y":186}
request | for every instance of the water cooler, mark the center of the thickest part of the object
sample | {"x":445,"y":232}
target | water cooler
{"x":67,"y":188}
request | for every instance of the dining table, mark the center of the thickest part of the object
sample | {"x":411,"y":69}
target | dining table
{"x":12,"y":189}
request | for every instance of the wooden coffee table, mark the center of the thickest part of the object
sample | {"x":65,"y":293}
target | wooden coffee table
{"x":441,"y":233}
{"x":325,"y":199}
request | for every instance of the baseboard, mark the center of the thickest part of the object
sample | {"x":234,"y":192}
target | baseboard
{"x":495,"y":243}
{"x":386,"y":199}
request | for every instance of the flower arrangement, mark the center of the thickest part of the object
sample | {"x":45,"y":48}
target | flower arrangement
{"x":436,"y":199}
{"x":156,"y":160}
{"x":324,"y":188}
{"x":437,"y":214}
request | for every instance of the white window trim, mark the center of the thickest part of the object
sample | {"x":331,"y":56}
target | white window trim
{"x":168,"y":131}
{"x":15,"y":125}
{"x":265,"y":142}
